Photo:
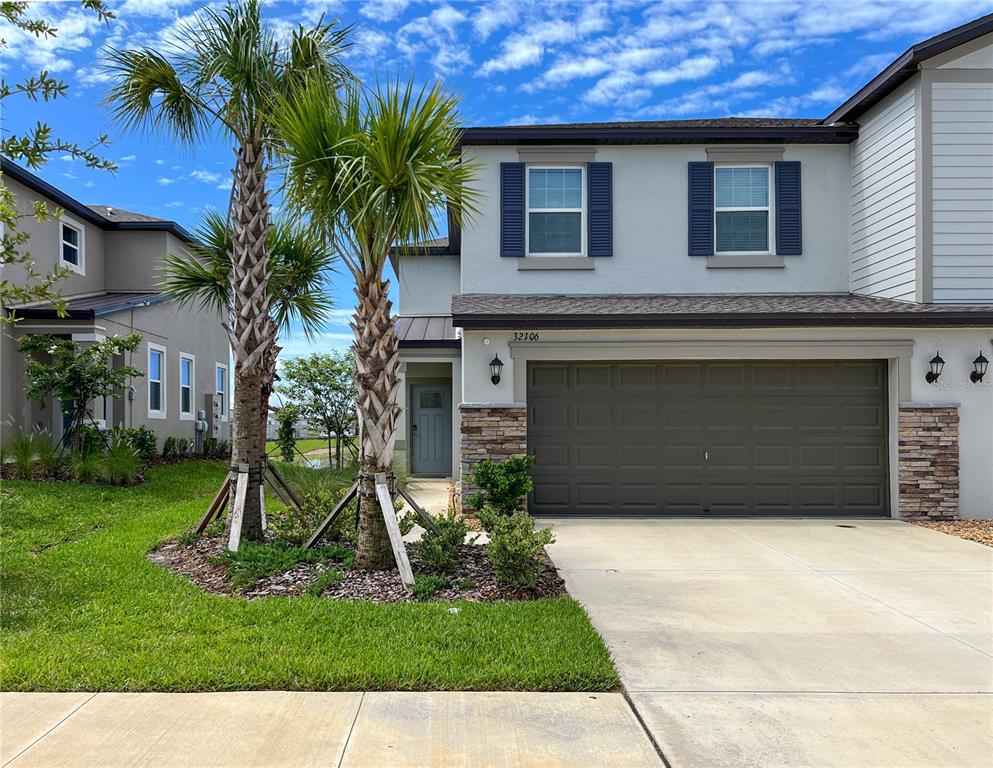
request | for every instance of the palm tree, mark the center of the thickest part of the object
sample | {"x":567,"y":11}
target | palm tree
{"x":377,"y":170}
{"x":223,"y":80}
{"x":299,"y":261}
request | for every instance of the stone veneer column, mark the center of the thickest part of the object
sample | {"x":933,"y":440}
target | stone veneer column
{"x":495,"y":432}
{"x":928,"y":461}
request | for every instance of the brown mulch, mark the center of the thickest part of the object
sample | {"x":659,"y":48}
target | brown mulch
{"x":980,"y":531}
{"x":472,"y":580}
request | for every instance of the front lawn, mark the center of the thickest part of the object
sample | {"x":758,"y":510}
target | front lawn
{"x":84,"y":609}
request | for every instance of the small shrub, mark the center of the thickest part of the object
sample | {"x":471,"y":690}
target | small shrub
{"x":426,"y":587}
{"x":443,"y":550}
{"x":466,"y":583}
{"x":87,"y":467}
{"x":22,"y":449}
{"x":188,"y":537}
{"x":254,"y":561}
{"x":515,"y":547}
{"x":142,"y":439}
{"x":169,"y":447}
{"x":49,"y":458}
{"x":503,"y":487}
{"x":326,"y":579}
{"x":121,"y":463}
{"x":216,"y":449}
{"x":93,"y":439}
{"x":214,"y":528}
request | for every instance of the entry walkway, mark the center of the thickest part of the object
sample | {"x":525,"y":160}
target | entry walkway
{"x":271,"y":729}
{"x":788,"y":643}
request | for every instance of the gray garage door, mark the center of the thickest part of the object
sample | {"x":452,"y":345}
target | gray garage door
{"x":708,"y":438}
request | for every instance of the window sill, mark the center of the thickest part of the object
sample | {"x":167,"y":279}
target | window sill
{"x":762,"y":261}
{"x":186,"y":417}
{"x":157,"y":415}
{"x":555,"y":262}
{"x":72,"y":267}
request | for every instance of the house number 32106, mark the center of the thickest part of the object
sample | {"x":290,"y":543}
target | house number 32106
{"x":525,"y":335}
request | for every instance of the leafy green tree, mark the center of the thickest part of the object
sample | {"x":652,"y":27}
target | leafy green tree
{"x":376,"y":169}
{"x":322,"y":384}
{"x":286,"y":437}
{"x":33,"y":148}
{"x":80,"y":374}
{"x":223,"y":79}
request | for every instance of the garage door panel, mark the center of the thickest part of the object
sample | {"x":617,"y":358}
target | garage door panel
{"x":720,"y":438}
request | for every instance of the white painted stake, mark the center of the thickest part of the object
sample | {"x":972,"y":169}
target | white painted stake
{"x":238,"y":512}
{"x":393,"y":528}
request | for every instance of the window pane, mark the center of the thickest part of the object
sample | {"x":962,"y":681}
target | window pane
{"x":741,"y":187}
{"x":220,"y":381}
{"x":431,"y":400}
{"x":742,"y":231}
{"x":70,"y":254}
{"x":555,"y":188}
{"x":555,"y":233}
{"x":70,"y":235}
{"x":155,"y":365}
{"x":155,"y":396}
{"x":184,"y":372}
{"x":184,"y":396}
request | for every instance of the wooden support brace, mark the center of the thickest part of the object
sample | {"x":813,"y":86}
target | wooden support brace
{"x":276,"y":476}
{"x":423,"y":516}
{"x":393,"y":528}
{"x":329,"y":520}
{"x":238,"y":513}
{"x":216,"y":507}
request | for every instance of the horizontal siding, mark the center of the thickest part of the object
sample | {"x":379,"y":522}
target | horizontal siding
{"x":883,"y":228}
{"x":962,"y":191}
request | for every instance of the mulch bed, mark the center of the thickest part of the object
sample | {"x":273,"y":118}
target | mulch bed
{"x":472,"y":580}
{"x":980,"y":531}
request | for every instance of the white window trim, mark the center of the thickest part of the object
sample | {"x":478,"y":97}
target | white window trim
{"x":225,"y":403}
{"x":582,"y":208}
{"x":163,"y":384}
{"x":183,"y":415}
{"x":80,"y":248}
{"x":769,"y":209}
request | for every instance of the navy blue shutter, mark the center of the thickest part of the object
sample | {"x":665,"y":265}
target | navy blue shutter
{"x":600,"y":213}
{"x":701,"y":209}
{"x":788,"y":229}
{"x":511,"y":209}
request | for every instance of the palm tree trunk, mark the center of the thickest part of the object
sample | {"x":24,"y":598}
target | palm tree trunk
{"x":252,"y":331}
{"x":377,"y":358}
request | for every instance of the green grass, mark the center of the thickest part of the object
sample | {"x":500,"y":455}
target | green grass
{"x":83,"y":609}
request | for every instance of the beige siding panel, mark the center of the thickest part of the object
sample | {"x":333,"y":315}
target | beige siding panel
{"x":882,"y":225}
{"x":962,"y":211}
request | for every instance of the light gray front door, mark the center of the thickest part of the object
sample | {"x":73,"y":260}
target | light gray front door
{"x":431,"y":429}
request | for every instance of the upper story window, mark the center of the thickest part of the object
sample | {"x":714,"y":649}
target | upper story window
{"x":187,"y":375}
{"x":221,"y":388}
{"x":156,"y":381}
{"x":72,"y":244}
{"x":741,"y":209}
{"x":555,"y":211}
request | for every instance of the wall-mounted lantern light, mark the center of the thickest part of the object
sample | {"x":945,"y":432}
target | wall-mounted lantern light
{"x":496,"y":365}
{"x":980,"y":366}
{"x":937,"y":366}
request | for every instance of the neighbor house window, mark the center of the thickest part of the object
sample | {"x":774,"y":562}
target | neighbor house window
{"x":741,"y":209}
{"x":221,"y":376}
{"x":72,"y":238}
{"x":555,"y":211}
{"x":187,"y":377}
{"x":156,"y":381}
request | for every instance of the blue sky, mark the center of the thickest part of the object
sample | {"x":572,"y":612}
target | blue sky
{"x":512,"y":63}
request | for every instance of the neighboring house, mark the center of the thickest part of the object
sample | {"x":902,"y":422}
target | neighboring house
{"x":302,"y":429}
{"x":724,"y":317}
{"x":113,"y":288}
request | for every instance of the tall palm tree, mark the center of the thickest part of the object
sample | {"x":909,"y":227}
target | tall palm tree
{"x":377,"y":170}
{"x":223,"y":79}
{"x":299,"y":261}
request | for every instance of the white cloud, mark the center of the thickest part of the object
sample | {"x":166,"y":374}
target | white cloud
{"x":628,"y":88}
{"x":207,"y":177}
{"x":489,"y":18}
{"x":129,"y":158}
{"x":174,"y":204}
{"x":165,"y":181}
{"x":383,"y":10}
{"x":159,"y":161}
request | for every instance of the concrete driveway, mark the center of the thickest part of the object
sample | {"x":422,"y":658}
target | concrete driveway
{"x":794,"y":642}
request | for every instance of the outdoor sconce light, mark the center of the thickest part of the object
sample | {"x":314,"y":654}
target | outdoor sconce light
{"x":496,"y":365}
{"x":980,"y":365}
{"x":937,"y":366}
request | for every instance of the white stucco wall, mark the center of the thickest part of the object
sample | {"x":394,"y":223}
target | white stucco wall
{"x":650,"y":230}
{"x":958,"y":348}
{"x":427,"y":284}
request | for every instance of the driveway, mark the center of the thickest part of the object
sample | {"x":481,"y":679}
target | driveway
{"x":794,"y":642}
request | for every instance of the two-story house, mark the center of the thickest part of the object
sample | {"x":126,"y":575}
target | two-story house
{"x":112,"y":288}
{"x":724,"y":317}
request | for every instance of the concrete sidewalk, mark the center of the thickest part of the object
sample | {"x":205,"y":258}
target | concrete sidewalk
{"x":298,"y":729}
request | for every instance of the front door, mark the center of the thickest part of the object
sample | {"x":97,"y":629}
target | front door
{"x":431,"y":429}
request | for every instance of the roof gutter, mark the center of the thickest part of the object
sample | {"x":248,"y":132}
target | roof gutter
{"x":951,"y":319}
{"x":537,"y":134}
